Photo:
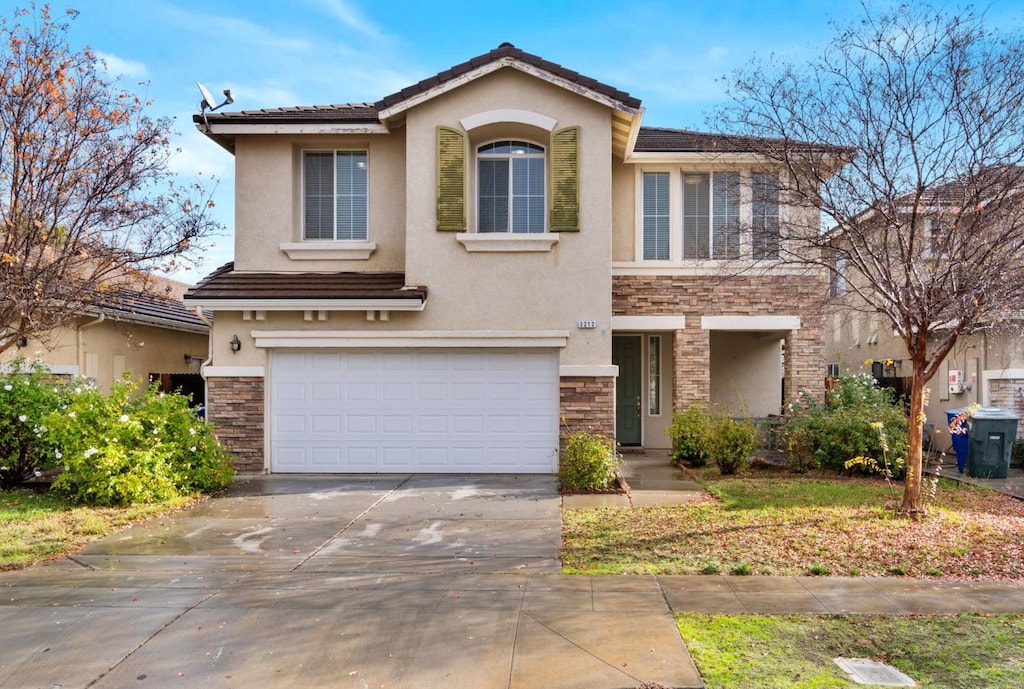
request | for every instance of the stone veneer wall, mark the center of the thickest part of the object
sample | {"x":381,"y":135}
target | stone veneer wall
{"x":1008,"y":393}
{"x":235,"y":407}
{"x":694,"y":296}
{"x":587,"y":403}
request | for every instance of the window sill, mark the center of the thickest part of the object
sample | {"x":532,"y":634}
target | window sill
{"x":508,"y":243}
{"x":340,"y":250}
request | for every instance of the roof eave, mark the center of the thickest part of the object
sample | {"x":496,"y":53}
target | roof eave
{"x":417,"y":303}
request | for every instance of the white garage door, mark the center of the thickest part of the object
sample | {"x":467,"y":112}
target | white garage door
{"x":433,"y":411}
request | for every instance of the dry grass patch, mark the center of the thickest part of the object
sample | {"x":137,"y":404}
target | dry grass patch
{"x":39,"y":526}
{"x":782,"y":525}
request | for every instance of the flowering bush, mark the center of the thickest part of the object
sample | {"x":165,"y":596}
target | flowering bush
{"x":125,"y":448}
{"x":27,"y":396}
{"x":826,"y":435}
{"x":589,"y":462}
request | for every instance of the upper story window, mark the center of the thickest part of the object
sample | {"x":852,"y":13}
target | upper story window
{"x":656,"y":216}
{"x":334,"y":195}
{"x":511,"y":187}
{"x":711,"y":215}
{"x":717,"y":215}
{"x":765,"y":203}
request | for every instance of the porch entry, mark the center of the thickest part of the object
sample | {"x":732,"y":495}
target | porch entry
{"x":626,"y":354}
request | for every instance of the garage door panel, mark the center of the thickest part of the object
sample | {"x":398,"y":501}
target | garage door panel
{"x":414,"y":410}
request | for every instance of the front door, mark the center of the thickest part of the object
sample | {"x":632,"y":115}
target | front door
{"x":626,"y":355}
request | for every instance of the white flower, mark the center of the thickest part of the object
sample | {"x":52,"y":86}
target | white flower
{"x":58,"y":454}
{"x":156,"y":431}
{"x":123,"y":418}
{"x":37,"y":473}
{"x":90,"y":452}
{"x":71,"y":414}
{"x":192,"y":449}
{"x":23,"y":418}
{"x":191,"y":431}
{"x":8,"y":387}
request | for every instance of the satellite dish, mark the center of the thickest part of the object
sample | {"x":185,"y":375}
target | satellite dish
{"x":208,"y":101}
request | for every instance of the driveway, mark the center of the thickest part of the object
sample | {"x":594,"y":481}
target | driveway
{"x":340,"y":581}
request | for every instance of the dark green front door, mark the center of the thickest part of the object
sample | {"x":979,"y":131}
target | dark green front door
{"x":626,"y":355}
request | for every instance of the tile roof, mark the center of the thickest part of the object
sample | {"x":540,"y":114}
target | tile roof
{"x":343,"y":112}
{"x":226,"y":284}
{"x":982,"y":186}
{"x":368,"y":112}
{"x":124,"y":304}
{"x":507,"y":50}
{"x":666,"y":140}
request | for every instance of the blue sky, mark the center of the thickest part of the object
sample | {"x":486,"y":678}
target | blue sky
{"x":271,"y":53}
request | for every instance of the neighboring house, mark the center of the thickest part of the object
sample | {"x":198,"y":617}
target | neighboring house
{"x":985,"y":368}
{"x":447,"y":279}
{"x":149,"y":334}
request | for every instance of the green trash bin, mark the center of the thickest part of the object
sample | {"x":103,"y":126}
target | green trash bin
{"x":991,"y":432}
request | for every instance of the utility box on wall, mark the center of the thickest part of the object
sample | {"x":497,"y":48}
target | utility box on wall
{"x":956,"y":382}
{"x":991,"y":432}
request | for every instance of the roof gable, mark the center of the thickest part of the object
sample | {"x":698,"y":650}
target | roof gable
{"x":505,"y":56}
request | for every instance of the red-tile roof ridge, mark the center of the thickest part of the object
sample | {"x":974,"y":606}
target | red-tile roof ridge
{"x":506,"y":50}
{"x":670,"y":140}
{"x":226,"y":283}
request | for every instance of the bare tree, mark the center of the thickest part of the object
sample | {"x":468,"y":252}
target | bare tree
{"x":923,"y":213}
{"x":86,"y":198}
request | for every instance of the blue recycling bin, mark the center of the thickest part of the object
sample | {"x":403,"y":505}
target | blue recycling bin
{"x":961,"y":442}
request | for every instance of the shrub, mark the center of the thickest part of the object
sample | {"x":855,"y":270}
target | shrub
{"x":27,"y":396}
{"x":731,"y":443}
{"x":1017,"y":453}
{"x":589,"y":462}
{"x":128,"y":449}
{"x":690,"y":433}
{"x":828,"y":434}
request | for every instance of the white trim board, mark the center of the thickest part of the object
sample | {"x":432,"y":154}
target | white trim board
{"x":233,"y":372}
{"x":410,"y":338}
{"x":750,"y":322}
{"x":584,"y":371}
{"x":645,"y":323}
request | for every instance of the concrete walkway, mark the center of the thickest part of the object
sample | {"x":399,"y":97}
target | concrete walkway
{"x":376,"y":581}
{"x":1013,"y":484}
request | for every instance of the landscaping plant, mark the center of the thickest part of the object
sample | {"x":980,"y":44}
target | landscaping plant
{"x":731,"y":443}
{"x":589,"y":462}
{"x":828,"y":434}
{"x":128,"y":448}
{"x":27,"y":396}
{"x":690,"y":433}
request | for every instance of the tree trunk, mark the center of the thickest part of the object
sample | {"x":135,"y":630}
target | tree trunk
{"x":912,"y":506}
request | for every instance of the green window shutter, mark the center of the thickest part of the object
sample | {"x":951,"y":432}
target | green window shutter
{"x":565,"y":180}
{"x":451,"y":179}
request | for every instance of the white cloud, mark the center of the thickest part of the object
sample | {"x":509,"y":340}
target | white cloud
{"x":118,"y":67}
{"x":236,"y":31}
{"x":351,"y":17}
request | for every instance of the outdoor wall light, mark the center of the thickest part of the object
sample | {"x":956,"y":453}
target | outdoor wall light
{"x":21,"y":342}
{"x":236,"y":344}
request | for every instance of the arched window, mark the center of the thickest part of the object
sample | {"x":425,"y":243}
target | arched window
{"x":511,"y":187}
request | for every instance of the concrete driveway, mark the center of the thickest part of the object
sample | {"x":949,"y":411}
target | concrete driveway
{"x":356,"y":581}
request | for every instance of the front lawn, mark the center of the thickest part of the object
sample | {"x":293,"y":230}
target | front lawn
{"x":791,"y":525}
{"x":38,"y":526}
{"x":796,"y":651}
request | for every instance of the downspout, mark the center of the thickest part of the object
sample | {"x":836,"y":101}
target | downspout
{"x":209,"y":357}
{"x":80,"y":345}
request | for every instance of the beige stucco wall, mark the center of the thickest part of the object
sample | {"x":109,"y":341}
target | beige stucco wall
{"x":624,"y":214}
{"x":746,"y":372}
{"x":268,"y":201}
{"x":854,"y":340}
{"x":514,"y":291}
{"x":106,"y":350}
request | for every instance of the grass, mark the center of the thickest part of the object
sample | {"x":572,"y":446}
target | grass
{"x":39,"y":526}
{"x":802,"y":526}
{"x":796,"y":651}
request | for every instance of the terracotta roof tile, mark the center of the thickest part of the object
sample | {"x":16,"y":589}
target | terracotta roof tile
{"x":503,"y":51}
{"x":343,"y":112}
{"x":666,"y":140}
{"x":226,"y":284}
{"x":123,"y":304}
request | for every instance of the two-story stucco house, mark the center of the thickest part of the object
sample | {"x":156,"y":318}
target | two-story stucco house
{"x":447,"y":279}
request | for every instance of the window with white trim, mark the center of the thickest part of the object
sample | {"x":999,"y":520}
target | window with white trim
{"x":711,"y":215}
{"x":334,"y":187}
{"x":765,"y":221}
{"x":656,"y":216}
{"x":511,"y":188}
{"x":654,"y":375}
